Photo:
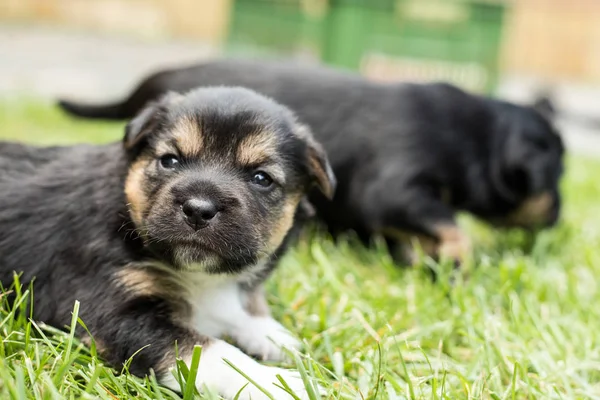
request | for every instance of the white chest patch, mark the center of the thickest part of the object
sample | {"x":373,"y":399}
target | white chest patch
{"x":216,"y":305}
{"x":218,"y":310}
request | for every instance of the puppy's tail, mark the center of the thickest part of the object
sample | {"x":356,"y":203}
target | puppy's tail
{"x":100,"y":111}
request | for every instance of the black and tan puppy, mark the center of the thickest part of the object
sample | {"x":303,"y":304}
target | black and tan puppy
{"x":406,"y":156}
{"x":167,"y":237}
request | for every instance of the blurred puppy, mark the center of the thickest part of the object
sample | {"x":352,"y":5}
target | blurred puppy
{"x":168,"y":237}
{"x":407,"y":156}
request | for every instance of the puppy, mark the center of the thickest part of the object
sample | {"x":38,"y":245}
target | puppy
{"x":167,"y":238}
{"x":407,"y":156}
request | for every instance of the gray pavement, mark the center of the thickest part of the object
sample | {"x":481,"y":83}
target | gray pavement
{"x":47,"y":63}
{"x":578,"y":104}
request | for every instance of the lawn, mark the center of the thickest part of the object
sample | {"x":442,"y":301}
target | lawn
{"x":523,"y":323}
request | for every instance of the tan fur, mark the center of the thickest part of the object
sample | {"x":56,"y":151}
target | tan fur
{"x":189,"y":138}
{"x":87,"y":341}
{"x":134,"y":190}
{"x":321,"y":175}
{"x":256,"y":302}
{"x":533,"y":211}
{"x":144,"y":281}
{"x":139,"y":281}
{"x":163,"y":148}
{"x":412,"y":241}
{"x":451,"y":242}
{"x":256,"y":149}
{"x":282,"y":225}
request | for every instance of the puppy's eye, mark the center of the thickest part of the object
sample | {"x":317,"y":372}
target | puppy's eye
{"x":261,"y":179}
{"x":169,"y":161}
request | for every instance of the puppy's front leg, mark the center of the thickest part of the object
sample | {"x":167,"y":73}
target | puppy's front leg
{"x":124,"y":336}
{"x":243,"y":314}
{"x":267,"y":338}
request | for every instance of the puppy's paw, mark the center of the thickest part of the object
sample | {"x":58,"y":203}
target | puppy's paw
{"x":454,"y":244}
{"x":216,"y":373}
{"x":266,"y":339}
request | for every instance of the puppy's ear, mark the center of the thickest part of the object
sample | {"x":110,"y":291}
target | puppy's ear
{"x":318,"y":164}
{"x":147,"y":120}
{"x":306,"y":210}
{"x":544,"y":104}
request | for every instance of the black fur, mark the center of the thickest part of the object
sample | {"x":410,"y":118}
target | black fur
{"x":66,"y":222}
{"x":406,"y":156}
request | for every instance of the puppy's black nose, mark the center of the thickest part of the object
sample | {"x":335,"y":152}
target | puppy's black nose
{"x":199,"y":212}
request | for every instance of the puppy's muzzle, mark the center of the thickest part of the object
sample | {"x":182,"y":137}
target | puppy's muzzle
{"x":202,"y":203}
{"x":199,"y":212}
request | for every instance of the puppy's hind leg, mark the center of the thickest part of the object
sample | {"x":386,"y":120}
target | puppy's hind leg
{"x":418,"y":216}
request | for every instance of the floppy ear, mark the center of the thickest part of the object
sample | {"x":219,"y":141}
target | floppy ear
{"x":321,"y":170}
{"x":544,"y":104}
{"x":147,"y":120}
{"x":318,"y":163}
{"x":305,"y":209}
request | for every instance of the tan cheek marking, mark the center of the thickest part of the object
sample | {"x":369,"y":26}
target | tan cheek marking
{"x":255,"y":149}
{"x":134,"y":190}
{"x":282,"y":226}
{"x":189,"y":137}
{"x":532,"y":211}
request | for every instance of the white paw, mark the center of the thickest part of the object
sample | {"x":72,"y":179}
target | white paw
{"x":217,"y":375}
{"x":266,"y":338}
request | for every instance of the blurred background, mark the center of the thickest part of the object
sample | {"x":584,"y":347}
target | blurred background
{"x":99,"y":49}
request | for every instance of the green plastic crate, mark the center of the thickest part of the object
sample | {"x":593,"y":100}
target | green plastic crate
{"x":451,"y":40}
{"x":278,"y":27}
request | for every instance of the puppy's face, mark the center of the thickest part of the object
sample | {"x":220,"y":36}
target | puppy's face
{"x":216,"y":177}
{"x":531,"y":168}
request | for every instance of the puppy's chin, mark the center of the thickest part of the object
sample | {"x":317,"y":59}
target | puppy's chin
{"x":533,"y":213}
{"x":228,"y":247}
{"x":197,"y":258}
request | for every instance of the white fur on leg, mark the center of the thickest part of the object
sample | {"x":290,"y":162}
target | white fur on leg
{"x":265,"y":338}
{"x":215,"y":374}
{"x":219,"y":311}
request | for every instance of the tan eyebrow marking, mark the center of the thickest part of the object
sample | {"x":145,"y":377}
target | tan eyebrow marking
{"x":189,"y":137}
{"x":256,"y":149}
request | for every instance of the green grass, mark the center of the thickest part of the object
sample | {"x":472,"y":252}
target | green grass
{"x":523,"y":324}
